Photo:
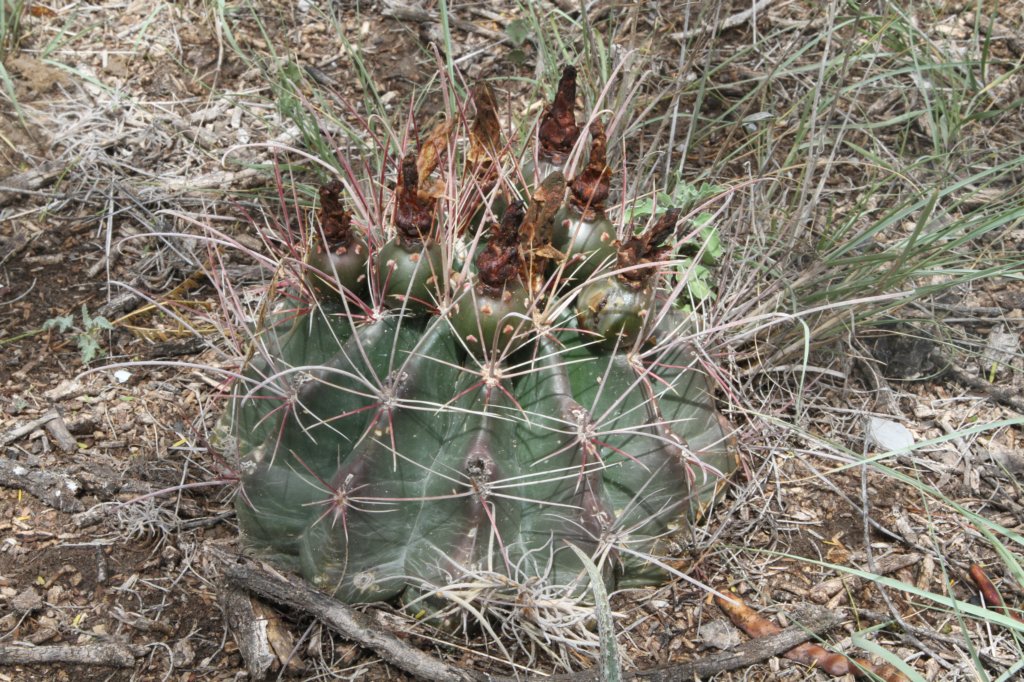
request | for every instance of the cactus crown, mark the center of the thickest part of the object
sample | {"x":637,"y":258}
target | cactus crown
{"x":449,"y":408}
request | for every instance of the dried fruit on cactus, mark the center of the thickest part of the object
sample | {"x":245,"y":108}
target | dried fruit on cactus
{"x":581,"y":228}
{"x":475,"y":421}
{"x":337,"y":256}
{"x":557,"y":132}
{"x":618,"y":310}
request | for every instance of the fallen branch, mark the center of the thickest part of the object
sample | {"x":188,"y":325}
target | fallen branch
{"x":834,"y":664}
{"x":29,"y":182}
{"x":364,"y":630}
{"x":58,"y":430}
{"x":358,"y":627}
{"x":114,"y":655}
{"x":249,"y":631}
{"x":1004,"y":396}
{"x":28,"y":427}
{"x":885,"y":565}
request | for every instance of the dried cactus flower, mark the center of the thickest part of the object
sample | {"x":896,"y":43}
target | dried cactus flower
{"x":485,"y":134}
{"x":446,"y":432}
{"x":558,"y":130}
{"x":590,"y":188}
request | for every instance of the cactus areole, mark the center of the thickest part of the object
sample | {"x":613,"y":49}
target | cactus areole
{"x":428,"y":425}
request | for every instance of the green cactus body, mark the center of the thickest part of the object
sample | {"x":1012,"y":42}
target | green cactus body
{"x":398,"y":465}
{"x":491,"y":323}
{"x":438,"y":423}
{"x":409,"y":274}
{"x":331,"y":271}
{"x":612,"y":313}
{"x":588,"y":244}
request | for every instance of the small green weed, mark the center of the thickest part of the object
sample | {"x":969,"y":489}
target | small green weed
{"x":703,"y":249}
{"x":86,"y":335}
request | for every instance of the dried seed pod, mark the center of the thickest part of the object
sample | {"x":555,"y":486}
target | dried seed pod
{"x":536,"y":229}
{"x":639,"y":255}
{"x":491,"y":313}
{"x":414,"y":212}
{"x":485,"y":152}
{"x":501,"y":260}
{"x":410,"y":266}
{"x":485,"y":134}
{"x":432,"y":150}
{"x":590,"y":188}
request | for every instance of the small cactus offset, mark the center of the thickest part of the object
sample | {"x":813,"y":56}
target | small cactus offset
{"x":485,"y":375}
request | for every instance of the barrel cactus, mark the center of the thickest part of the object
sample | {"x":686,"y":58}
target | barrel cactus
{"x":473,"y":384}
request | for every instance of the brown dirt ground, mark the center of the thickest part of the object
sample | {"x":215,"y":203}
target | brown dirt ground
{"x":135,"y":573}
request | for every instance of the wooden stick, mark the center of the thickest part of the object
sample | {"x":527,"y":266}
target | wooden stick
{"x":1004,"y":396}
{"x":358,"y":627}
{"x":29,"y":182}
{"x":887,"y":564}
{"x":114,"y":655}
{"x":28,"y":427}
{"x":365,"y":631}
{"x":55,"y":489}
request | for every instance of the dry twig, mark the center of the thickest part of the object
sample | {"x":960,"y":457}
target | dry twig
{"x":29,"y":182}
{"x":55,"y":489}
{"x":363,"y":629}
{"x":814,"y":622}
{"x":731,"y":21}
{"x":1005,"y":396}
{"x":885,"y":565}
{"x":115,"y":655}
{"x":358,"y":627}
